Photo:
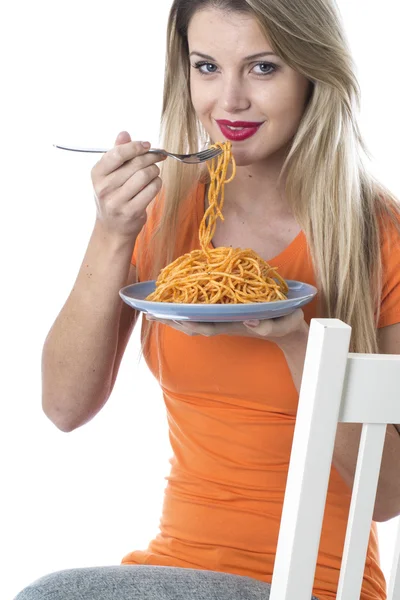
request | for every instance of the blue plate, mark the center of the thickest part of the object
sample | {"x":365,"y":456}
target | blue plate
{"x":299,"y":294}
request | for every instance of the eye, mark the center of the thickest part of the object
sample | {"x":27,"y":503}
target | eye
{"x":205,"y":68}
{"x":265,"y":68}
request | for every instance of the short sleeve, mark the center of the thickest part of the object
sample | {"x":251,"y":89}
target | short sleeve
{"x":135,"y":249}
{"x":390,"y":303}
{"x":142,"y":251}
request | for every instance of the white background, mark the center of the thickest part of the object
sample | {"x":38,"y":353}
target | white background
{"x":80,"y":72}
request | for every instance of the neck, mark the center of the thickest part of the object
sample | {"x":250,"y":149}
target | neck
{"x":257,"y":186}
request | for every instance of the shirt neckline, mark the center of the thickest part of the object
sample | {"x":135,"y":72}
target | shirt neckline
{"x":295,"y":246}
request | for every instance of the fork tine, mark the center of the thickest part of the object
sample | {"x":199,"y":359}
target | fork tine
{"x":198,"y":157}
{"x":209,"y":153}
{"x":213,"y":151}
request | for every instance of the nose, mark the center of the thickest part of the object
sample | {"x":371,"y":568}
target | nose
{"x":233,"y":95}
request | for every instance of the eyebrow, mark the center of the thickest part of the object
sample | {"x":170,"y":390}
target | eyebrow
{"x":251,"y":57}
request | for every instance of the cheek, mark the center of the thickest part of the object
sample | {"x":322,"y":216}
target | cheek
{"x":196,"y":96}
{"x":295,"y":96}
{"x":287,"y":106}
{"x":202,"y":94}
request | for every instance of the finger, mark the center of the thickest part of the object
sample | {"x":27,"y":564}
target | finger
{"x":135,"y":205}
{"x":204,"y":329}
{"x":119,"y":155}
{"x":162,"y":321}
{"x":115,"y":181}
{"x":177,"y":325}
{"x":135,"y":183}
{"x":184,"y":327}
{"x":123,"y":138}
{"x":157,"y":320}
{"x":119,"y":177}
{"x":276,"y":327}
{"x":290,"y":323}
{"x":262,"y":328}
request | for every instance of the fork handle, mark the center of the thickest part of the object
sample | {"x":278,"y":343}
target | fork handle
{"x":104,"y":150}
{"x":157,"y":151}
{"x":77,"y":149}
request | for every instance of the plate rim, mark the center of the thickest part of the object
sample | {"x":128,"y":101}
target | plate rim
{"x":219,"y":307}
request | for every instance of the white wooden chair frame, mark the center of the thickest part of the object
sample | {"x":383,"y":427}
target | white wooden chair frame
{"x":337,"y":386}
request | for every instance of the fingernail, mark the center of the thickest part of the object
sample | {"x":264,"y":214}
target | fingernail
{"x":252,"y":323}
{"x":146,"y":145}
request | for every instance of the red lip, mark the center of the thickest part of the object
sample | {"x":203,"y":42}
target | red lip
{"x":239,"y":123}
{"x":249,"y":129}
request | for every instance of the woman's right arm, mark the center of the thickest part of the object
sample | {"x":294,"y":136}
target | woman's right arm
{"x":85,"y":345}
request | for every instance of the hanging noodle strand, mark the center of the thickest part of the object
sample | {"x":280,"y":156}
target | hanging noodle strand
{"x":218,"y":275}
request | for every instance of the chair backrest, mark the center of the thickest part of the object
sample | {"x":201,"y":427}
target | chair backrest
{"x":337,"y":386}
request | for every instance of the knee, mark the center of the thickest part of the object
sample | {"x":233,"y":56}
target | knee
{"x":49,"y":587}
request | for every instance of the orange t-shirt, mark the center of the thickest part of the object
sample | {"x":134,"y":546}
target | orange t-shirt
{"x":231,"y":407}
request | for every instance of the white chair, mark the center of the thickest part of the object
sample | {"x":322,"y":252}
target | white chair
{"x":337,"y":386}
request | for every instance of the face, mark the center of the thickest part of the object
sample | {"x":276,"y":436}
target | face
{"x":240,"y":90}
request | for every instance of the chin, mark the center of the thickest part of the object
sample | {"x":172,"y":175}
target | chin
{"x":245,"y":157}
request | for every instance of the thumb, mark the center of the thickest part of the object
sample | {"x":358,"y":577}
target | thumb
{"x":123,"y":138}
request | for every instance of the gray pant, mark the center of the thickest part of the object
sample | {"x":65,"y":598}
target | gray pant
{"x":131,"y":582}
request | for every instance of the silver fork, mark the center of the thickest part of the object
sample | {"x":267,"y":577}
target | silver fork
{"x":197,"y":157}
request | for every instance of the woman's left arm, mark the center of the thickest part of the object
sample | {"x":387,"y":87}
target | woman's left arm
{"x":345,"y":455}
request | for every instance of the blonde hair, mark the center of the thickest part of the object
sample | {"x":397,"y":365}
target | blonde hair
{"x":337,"y":203}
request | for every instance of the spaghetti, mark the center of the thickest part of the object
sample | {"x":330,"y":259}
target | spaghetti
{"x":218,"y":275}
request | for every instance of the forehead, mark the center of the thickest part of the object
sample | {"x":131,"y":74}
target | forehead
{"x":231,"y":34}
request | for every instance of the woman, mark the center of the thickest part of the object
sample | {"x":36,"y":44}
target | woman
{"x":276,"y":78}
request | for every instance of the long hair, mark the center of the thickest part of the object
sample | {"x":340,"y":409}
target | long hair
{"x":336,"y":201}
